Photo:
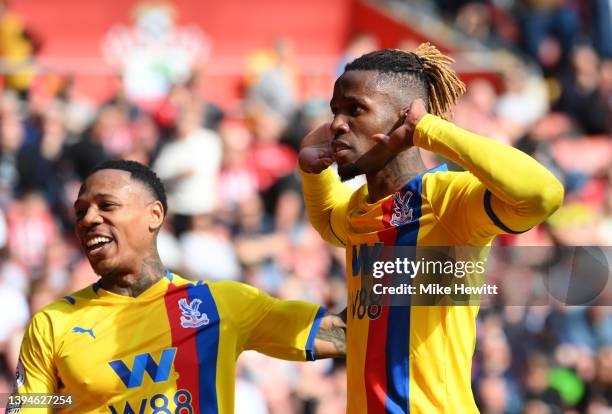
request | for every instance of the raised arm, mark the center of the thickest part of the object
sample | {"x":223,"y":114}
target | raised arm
{"x":521,"y":192}
{"x":326,"y":198}
{"x":518,"y":191}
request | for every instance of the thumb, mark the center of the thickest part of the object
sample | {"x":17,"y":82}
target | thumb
{"x":396,"y":141}
{"x":325,"y":162}
{"x":381,"y":138}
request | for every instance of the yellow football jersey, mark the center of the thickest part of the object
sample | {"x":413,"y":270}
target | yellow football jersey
{"x":418,"y":359}
{"x":172,"y":349}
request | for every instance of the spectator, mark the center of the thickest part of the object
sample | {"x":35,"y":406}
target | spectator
{"x":31,"y":231}
{"x":89,"y":150}
{"x":189,"y":166}
{"x":538,"y":386}
{"x":41,"y":166}
{"x":552,"y":20}
{"x":580,"y":97}
{"x":11,"y":139}
{"x":272,"y":79}
{"x":360,"y":44}
{"x":238,"y":179}
{"x":208,"y":251}
{"x":524,"y":100}
{"x":13,"y":323}
{"x":17,"y":47}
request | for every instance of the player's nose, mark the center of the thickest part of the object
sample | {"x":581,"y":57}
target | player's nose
{"x":90,"y":218}
{"x":338,"y":126}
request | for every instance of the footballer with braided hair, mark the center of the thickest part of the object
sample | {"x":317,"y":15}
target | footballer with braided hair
{"x":386,"y":106}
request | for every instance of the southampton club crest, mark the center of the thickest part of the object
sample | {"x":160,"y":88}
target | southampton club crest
{"x":154,"y":52}
{"x":402,"y":213}
{"x":191,"y":316}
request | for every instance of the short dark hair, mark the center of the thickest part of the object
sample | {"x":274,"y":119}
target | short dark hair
{"x":427,"y":71}
{"x":402,"y":67}
{"x":138,"y":172}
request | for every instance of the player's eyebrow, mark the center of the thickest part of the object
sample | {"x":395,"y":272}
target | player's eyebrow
{"x":353,"y":98}
{"x":98,"y":195}
{"x":359,"y":100}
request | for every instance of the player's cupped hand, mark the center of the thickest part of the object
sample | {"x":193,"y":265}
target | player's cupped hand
{"x":400,"y":136}
{"x":315,"y":152}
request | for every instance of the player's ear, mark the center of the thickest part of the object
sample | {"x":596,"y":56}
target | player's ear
{"x":156,"y":215}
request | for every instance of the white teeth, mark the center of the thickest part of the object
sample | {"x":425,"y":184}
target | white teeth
{"x":96,"y":240}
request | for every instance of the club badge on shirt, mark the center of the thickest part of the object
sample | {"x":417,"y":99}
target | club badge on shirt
{"x":402,"y":213}
{"x":191,"y":316}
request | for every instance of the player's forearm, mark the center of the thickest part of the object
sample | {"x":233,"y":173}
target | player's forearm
{"x":322,"y":193}
{"x":330,"y":341}
{"x":514,"y":178}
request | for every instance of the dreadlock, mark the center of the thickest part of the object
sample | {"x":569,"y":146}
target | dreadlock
{"x":426,"y":70}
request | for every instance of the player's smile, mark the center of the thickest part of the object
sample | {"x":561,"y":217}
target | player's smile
{"x":97,"y":244}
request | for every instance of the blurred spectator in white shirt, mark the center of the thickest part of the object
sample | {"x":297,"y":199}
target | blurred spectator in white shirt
{"x":249,"y":399}
{"x":169,"y":248}
{"x":189,"y":166}
{"x":13,"y":319}
{"x":524,"y":100}
{"x":208,"y":251}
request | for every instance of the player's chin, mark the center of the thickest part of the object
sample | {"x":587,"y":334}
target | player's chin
{"x":102,"y":267}
{"x":103,"y":264}
{"x":348,"y":171}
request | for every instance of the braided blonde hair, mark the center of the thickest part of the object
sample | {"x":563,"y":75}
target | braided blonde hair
{"x":445,"y":87}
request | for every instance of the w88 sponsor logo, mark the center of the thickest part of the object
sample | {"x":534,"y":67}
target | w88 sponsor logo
{"x":364,"y":302}
{"x":158,"y":404}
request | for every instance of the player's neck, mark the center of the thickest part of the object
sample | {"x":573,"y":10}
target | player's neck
{"x":136,"y":282}
{"x":395,"y":174}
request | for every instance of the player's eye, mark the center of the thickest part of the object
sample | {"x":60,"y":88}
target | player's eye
{"x":356,"y":110}
{"x":106,"y":206}
{"x":80,"y":213}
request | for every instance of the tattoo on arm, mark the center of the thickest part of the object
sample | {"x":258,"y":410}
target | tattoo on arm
{"x":330,"y":341}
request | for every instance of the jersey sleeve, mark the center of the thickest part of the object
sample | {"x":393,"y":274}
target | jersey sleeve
{"x":35,"y":369}
{"x":278,"y":328}
{"x":457,"y":201}
{"x":326,"y":200}
{"x":503,"y":191}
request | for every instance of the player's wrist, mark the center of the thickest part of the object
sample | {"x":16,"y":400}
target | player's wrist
{"x":419,"y":136}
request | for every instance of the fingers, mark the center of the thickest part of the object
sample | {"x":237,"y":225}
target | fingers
{"x":416,"y":111}
{"x":319,"y":135}
{"x":317,"y":166}
{"x":397,"y":140}
{"x":325,"y":162}
{"x":382,"y":138}
{"x":314,"y":160}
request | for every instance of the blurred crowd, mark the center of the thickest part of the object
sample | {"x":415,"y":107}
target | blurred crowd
{"x":556,"y":105}
{"x":236,"y":210}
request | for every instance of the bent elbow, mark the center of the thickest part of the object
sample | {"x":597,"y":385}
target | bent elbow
{"x":550,"y":198}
